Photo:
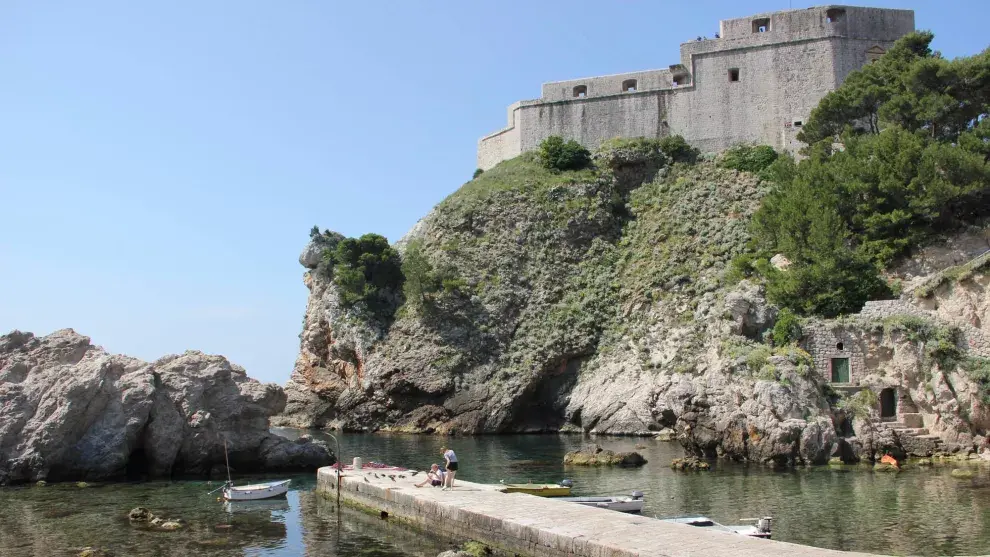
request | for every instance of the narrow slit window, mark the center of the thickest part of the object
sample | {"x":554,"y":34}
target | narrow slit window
{"x":581,"y":91}
{"x":761,"y":25}
{"x":733,"y":74}
{"x":629,"y":85}
{"x":797,"y":123}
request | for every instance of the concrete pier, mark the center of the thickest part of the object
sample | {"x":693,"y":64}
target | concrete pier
{"x":535,"y":526}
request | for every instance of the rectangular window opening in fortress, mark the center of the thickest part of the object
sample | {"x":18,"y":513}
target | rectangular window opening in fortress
{"x":761,"y":25}
{"x":733,"y":74}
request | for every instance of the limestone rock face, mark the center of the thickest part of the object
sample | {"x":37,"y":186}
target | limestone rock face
{"x":595,"y":302}
{"x":69,"y":410}
{"x":311,"y":255}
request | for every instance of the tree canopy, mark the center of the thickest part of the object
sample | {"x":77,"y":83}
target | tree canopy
{"x":895,"y":156}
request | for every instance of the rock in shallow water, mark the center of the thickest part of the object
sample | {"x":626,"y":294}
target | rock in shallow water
{"x":689,"y":463}
{"x":594,"y":455}
{"x":71,"y":411}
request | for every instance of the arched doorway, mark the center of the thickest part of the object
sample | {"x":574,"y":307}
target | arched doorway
{"x":888,"y":403}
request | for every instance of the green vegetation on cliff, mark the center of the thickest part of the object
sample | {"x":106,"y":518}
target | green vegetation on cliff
{"x":365,"y":269}
{"x":896,"y":156}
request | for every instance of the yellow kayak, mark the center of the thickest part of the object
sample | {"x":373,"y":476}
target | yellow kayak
{"x":542,"y":490}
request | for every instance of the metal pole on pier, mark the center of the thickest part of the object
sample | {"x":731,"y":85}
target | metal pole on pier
{"x":339,"y":465}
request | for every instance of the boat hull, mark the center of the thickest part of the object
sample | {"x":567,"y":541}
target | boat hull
{"x":256,"y":491}
{"x":540,"y":490}
{"x":705,"y":522}
{"x":619,"y":504}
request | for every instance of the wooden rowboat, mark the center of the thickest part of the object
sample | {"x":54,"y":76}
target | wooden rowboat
{"x":541,"y":490}
{"x":256,"y":491}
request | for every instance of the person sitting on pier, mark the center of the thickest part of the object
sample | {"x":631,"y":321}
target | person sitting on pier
{"x":434,"y":477}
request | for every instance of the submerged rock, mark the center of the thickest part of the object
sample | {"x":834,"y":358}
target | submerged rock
{"x":666,"y":434}
{"x":594,"y":455}
{"x":962,"y":474}
{"x":140,"y":514}
{"x":689,"y":463}
{"x":71,"y":411}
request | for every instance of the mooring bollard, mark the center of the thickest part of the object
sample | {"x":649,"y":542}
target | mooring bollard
{"x":358,"y":463}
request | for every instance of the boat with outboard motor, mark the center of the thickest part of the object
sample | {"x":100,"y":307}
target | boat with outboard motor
{"x":761,"y":528}
{"x":622,"y":504}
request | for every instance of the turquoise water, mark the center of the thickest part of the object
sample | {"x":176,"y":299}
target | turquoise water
{"x":919,"y":511}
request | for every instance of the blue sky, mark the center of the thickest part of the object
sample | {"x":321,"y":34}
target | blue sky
{"x":161,"y":163}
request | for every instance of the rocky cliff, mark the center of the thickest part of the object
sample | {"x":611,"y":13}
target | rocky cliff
{"x":588,"y":301}
{"x":69,"y":410}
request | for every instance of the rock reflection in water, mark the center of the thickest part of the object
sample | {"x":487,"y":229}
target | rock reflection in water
{"x":63,"y":519}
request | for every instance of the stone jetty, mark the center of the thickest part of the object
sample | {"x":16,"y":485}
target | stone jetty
{"x":535,"y":526}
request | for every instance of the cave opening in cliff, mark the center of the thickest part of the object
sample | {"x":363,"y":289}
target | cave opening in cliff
{"x":138,"y":465}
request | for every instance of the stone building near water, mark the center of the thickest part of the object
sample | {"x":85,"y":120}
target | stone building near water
{"x":756,"y":83}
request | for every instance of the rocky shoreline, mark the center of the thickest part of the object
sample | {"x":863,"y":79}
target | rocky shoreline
{"x":71,"y":411}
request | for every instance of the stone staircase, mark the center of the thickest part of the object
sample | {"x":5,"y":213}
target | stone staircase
{"x":912,"y":434}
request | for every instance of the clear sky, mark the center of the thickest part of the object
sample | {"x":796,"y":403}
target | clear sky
{"x":161,"y":163}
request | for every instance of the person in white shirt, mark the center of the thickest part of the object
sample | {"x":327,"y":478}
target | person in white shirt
{"x":451,"y":467}
{"x":434,"y":477}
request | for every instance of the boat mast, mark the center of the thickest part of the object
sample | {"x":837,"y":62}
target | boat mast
{"x":226,"y":459}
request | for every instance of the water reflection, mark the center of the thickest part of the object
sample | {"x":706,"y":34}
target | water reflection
{"x":918,"y":512}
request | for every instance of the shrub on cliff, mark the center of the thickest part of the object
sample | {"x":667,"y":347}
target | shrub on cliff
{"x":749,"y":158}
{"x":422,"y":282}
{"x":662,"y":150}
{"x":787,"y":329}
{"x":677,"y":148}
{"x":365,"y":269}
{"x":559,"y":155}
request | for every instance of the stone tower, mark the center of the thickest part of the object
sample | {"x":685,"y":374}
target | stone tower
{"x":756,"y":83}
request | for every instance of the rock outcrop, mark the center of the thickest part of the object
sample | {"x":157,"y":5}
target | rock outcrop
{"x":589,"y":301}
{"x":594,"y":455}
{"x":69,"y":410}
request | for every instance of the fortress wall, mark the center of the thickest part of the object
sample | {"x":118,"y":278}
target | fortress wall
{"x":776,"y":87}
{"x":607,"y":85}
{"x":501,"y":145}
{"x":590,"y":121}
{"x":783,"y":74}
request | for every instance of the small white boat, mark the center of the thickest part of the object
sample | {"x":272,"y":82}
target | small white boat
{"x":622,"y":504}
{"x":254,"y":492}
{"x":760,"y":530}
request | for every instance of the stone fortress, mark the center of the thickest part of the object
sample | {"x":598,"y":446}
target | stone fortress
{"x":757,"y":82}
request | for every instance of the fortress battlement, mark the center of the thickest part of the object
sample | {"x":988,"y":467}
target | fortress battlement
{"x":756,"y":82}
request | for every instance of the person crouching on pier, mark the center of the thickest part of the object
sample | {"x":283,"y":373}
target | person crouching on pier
{"x":434,"y":477}
{"x":451,"y":467}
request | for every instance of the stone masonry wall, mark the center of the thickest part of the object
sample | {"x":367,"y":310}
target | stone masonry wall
{"x":782,"y":74}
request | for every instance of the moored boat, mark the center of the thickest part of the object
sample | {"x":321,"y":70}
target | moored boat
{"x":541,"y":490}
{"x":622,"y":504}
{"x":760,"y":530}
{"x":254,"y":492}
